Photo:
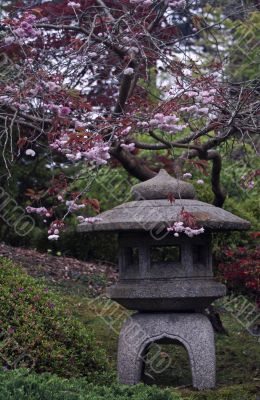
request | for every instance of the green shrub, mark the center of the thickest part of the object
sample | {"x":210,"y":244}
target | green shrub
{"x":38,"y":332}
{"x":18,"y":385}
{"x":21,"y":385}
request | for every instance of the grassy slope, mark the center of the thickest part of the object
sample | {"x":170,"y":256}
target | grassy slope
{"x":238,"y":355}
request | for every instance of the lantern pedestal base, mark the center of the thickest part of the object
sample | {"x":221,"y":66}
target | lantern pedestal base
{"x":193,"y":331}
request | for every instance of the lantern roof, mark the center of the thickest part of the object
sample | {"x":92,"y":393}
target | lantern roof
{"x":161,"y":202}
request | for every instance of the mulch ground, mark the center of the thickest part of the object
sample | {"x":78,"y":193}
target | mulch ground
{"x":62,"y":269}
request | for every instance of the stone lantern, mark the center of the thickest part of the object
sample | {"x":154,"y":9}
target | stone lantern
{"x":167,"y":278}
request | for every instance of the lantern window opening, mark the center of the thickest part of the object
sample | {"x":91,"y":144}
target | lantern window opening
{"x":131,"y":256}
{"x":165,"y":254}
{"x":200,"y":254}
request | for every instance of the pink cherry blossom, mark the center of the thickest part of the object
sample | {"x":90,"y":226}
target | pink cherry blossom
{"x":72,"y":206}
{"x":53,"y":237}
{"x":30,"y":152}
{"x":64,"y":111}
{"x":129,"y":146}
{"x":90,"y":220}
{"x":178,"y":227}
{"x":38,"y":210}
{"x":128,"y":71}
{"x":187,"y":175}
{"x":73,"y":4}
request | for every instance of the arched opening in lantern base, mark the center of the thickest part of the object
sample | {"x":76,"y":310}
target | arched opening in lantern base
{"x":166,"y":363}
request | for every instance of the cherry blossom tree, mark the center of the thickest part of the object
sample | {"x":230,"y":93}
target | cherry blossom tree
{"x":92,"y":81}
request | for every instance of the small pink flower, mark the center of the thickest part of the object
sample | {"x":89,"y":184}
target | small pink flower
{"x":25,"y":25}
{"x":53,"y":237}
{"x":187,"y":175}
{"x":52,"y":86}
{"x":64,"y":111}
{"x":126,"y":131}
{"x":129,"y":147}
{"x":129,"y":71}
{"x":79,"y":125}
{"x":30,"y":152}
{"x":30,"y":18}
{"x":73,"y":4}
{"x":92,"y":220}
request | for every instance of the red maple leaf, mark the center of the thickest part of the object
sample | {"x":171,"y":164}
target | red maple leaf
{"x":188,"y":219}
{"x":171,"y":197}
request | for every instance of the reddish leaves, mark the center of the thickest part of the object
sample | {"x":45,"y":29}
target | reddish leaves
{"x":22,"y":141}
{"x":171,"y":198}
{"x":188,"y":219}
{"x":201,"y":165}
{"x":240,"y":268}
{"x":34,"y":195}
{"x":94,"y":203}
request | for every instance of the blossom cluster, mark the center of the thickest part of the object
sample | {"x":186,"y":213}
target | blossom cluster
{"x":73,"y":4}
{"x":176,"y":3}
{"x":24,"y":29}
{"x":167,"y":123}
{"x":178,"y":227}
{"x":72,"y":206}
{"x":195,"y":109}
{"x":202,"y":96}
{"x":198,"y":96}
{"x":129,"y":146}
{"x":30,"y":152}
{"x":142,"y":2}
{"x":90,"y":220}
{"x":129,"y":71}
{"x":38,"y":210}
{"x":97,"y":152}
{"x":54,"y":230}
{"x":248,"y":180}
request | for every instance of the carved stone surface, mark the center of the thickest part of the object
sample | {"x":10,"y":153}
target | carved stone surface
{"x":174,"y":295}
{"x":193,"y":331}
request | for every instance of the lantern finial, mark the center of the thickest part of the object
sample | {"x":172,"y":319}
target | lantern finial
{"x":161,"y":186}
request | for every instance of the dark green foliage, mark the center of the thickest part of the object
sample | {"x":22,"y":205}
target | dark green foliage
{"x":19,"y":385}
{"x":38,"y":332}
{"x":84,"y":246}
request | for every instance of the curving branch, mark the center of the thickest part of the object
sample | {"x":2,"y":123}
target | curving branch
{"x":124,"y":91}
{"x":132,"y":164}
{"x":214,"y":156}
{"x":218,"y":191}
{"x":170,"y":145}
